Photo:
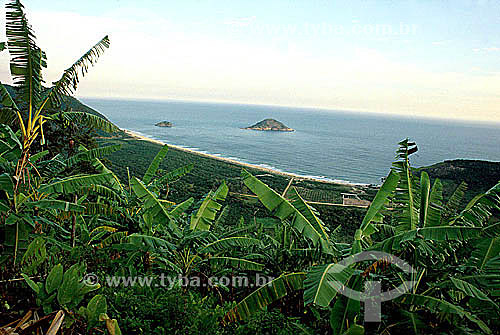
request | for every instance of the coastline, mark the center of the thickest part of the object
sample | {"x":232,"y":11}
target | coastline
{"x":235,"y":162}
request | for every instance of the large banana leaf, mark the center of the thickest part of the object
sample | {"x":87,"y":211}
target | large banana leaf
{"x":406,"y":196}
{"x":441,"y":233}
{"x":27,"y":60}
{"x":229,"y":243}
{"x":441,"y":306}
{"x":283,"y":209}
{"x":68,"y":82}
{"x":181,"y":208}
{"x":479,"y":209}
{"x":484,"y":250}
{"x":265,"y":295}
{"x":433,"y":206}
{"x":468,"y":289}
{"x":87,"y":155}
{"x":172,"y":176}
{"x":202,"y":219}
{"x":57,"y":204}
{"x":320,"y":286}
{"x":8,"y":108}
{"x":374,"y":211}
{"x":91,"y":120}
{"x":309,"y":214}
{"x":153,"y":210}
{"x":237,"y":263}
{"x":344,"y":311}
{"x":10,"y":147}
{"x":453,"y":204}
{"x":115,"y":183}
{"x":153,"y":167}
{"x":74,"y":183}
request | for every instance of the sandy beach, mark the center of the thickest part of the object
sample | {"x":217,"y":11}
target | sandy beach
{"x":232,"y":161}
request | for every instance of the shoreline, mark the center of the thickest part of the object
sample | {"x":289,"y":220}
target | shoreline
{"x":239,"y":163}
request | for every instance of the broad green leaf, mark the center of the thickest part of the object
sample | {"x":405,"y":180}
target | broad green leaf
{"x":152,"y":208}
{"x":74,"y":183}
{"x":54,"y":279}
{"x":203,"y":218}
{"x":88,"y":155}
{"x":434,"y":210}
{"x":308,"y":213}
{"x":181,"y":208}
{"x":441,"y":306}
{"x":381,"y":198}
{"x":65,"y":206}
{"x":68,"y":82}
{"x":31,"y":283}
{"x":321,"y":281}
{"x":153,"y":167}
{"x":282,"y":208}
{"x":265,"y":295}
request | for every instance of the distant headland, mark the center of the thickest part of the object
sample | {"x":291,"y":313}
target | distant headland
{"x":164,"y":124}
{"x":269,"y":125}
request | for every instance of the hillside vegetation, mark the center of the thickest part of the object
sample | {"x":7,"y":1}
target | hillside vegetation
{"x":119,"y":236}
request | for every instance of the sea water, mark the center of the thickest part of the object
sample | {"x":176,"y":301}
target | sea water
{"x":334,"y":145}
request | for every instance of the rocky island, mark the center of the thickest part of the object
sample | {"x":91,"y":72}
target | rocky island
{"x":269,"y":125}
{"x":164,"y":124}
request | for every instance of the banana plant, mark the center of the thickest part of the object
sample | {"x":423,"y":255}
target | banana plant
{"x":34,"y":104}
{"x":407,"y":218}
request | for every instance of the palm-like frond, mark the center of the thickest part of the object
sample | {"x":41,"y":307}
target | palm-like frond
{"x":177,"y":211}
{"x":8,"y":109}
{"x":440,"y":233}
{"x":202,"y":219}
{"x":299,"y":203}
{"x":174,"y":175}
{"x":27,"y":60}
{"x":283,"y":209}
{"x":68,"y":82}
{"x":91,"y":121}
{"x":321,"y":284}
{"x":374,"y":212}
{"x":73,"y":184}
{"x":153,"y":167}
{"x":406,"y":198}
{"x":480,"y":208}
{"x":153,"y":210}
{"x":87,"y":155}
{"x":441,"y":306}
{"x":265,"y":295}
{"x":434,"y":206}
{"x":484,"y":250}
{"x":453,"y":204}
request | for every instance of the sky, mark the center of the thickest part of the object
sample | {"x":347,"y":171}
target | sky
{"x":416,"y":58}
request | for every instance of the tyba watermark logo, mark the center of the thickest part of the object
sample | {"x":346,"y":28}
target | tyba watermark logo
{"x":372,"y":296}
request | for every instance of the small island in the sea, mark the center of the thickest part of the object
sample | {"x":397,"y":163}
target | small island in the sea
{"x":269,"y":125}
{"x":164,"y":124}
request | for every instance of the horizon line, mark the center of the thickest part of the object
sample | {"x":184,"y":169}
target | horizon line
{"x":315,"y":108}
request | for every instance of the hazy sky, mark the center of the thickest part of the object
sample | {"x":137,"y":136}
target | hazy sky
{"x":420,"y":58}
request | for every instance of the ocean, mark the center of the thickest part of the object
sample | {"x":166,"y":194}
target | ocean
{"x":333,"y":145}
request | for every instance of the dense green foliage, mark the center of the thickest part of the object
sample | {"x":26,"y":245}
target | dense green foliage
{"x":174,"y":243}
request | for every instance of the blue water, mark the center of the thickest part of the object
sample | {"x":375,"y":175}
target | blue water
{"x":346,"y":146}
